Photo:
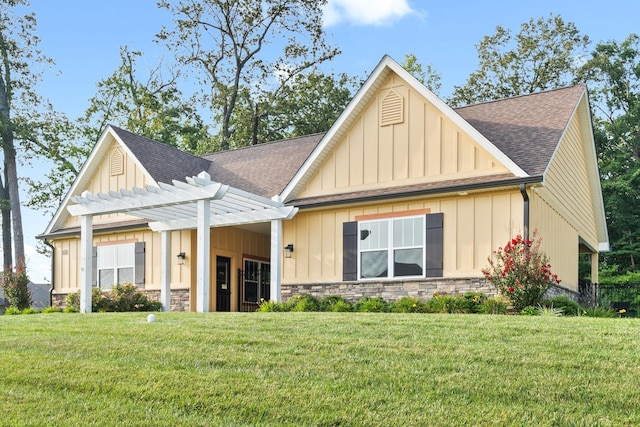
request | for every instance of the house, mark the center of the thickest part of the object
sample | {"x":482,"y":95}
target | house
{"x":402,"y":196}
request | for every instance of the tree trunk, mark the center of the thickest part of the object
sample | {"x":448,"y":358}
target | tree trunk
{"x":5,"y":208}
{"x":14,"y":197}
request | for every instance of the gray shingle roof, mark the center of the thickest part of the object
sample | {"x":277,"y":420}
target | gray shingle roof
{"x":263,"y":169}
{"x":526,"y":128}
{"x":162,"y":161}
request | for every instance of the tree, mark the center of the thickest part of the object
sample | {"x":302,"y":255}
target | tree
{"x":428,"y":77}
{"x":544,"y":55}
{"x":222,"y":40}
{"x":308,"y":103}
{"x":20,"y":61}
{"x":613,"y":73}
{"x":154,"y":108}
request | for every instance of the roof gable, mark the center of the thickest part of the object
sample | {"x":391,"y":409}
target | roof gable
{"x":367,"y":92}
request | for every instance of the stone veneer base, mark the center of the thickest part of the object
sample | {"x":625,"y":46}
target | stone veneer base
{"x":179,"y":299}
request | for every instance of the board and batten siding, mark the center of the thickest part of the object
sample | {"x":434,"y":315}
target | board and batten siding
{"x":107,"y":179}
{"x":67,"y":258}
{"x":425,"y":146}
{"x":474,"y":225}
{"x":560,"y":240}
{"x":566,"y":186}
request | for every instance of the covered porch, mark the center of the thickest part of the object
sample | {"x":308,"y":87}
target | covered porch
{"x":196,"y":204}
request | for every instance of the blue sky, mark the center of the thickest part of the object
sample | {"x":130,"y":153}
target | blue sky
{"x":84,"y":37}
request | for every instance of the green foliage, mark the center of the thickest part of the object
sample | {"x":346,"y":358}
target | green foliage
{"x":270,"y":306}
{"x":71,"y":309}
{"x":428,"y":76}
{"x":12,"y":311}
{"x":495,"y":305}
{"x":121,"y":298}
{"x":613,"y":75}
{"x":474,"y":301}
{"x":15,"y":283}
{"x":541,"y":56}
{"x":447,"y":304}
{"x":529,"y":311}
{"x":521,"y":272}
{"x":544,"y":310}
{"x":335,"y":303}
{"x":305,"y":302}
{"x":371,"y":305}
{"x":599,"y":311}
{"x":407,"y":305}
{"x":569,"y":307}
{"x":222,"y":42}
{"x":48,"y":310}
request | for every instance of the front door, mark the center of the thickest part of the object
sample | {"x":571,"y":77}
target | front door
{"x":223,"y":283}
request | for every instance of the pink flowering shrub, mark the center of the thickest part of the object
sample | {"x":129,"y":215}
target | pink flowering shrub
{"x":521,"y":272}
{"x":14,"y":285}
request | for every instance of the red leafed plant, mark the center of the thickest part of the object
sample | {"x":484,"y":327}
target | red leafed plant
{"x":521,"y":272}
{"x":14,"y":284}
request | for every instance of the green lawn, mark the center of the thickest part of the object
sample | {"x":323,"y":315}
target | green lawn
{"x":318,"y":369}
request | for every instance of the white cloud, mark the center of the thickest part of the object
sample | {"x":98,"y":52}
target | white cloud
{"x":365,"y":12}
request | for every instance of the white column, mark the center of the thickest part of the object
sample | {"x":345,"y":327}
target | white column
{"x":86,"y":262}
{"x":203,"y":247}
{"x":165,"y":270}
{"x":276,"y":259}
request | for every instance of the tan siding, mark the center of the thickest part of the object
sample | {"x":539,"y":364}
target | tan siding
{"x":560,"y":241}
{"x":474,"y":225}
{"x":567,"y":185}
{"x":422,"y":147}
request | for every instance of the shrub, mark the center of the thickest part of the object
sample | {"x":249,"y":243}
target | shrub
{"x":407,"y":305}
{"x":305,"y":302}
{"x":269,"y":306}
{"x":521,"y":272}
{"x":15,"y":286}
{"x":569,"y":307}
{"x":529,"y":311}
{"x":30,"y":310}
{"x":335,"y":303}
{"x":51,"y":310}
{"x":446,"y":304}
{"x":71,"y":309}
{"x":599,"y":312}
{"x":371,"y":305}
{"x":550,"y":311}
{"x":496,"y":305}
{"x":122,"y":297}
{"x":12,"y":311}
{"x":473,"y":301}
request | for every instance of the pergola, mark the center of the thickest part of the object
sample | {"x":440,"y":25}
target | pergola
{"x":198,"y":203}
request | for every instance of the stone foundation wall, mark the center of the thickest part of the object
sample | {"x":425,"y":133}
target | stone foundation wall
{"x":394,"y":290}
{"x":180,"y":300}
{"x":391,"y":290}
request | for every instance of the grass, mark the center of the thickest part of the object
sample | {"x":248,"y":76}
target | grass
{"x":318,"y":369}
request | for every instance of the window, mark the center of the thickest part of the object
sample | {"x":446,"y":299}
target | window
{"x":393,"y":247}
{"x":257,"y":276}
{"x":115,"y":264}
{"x":396,"y":253}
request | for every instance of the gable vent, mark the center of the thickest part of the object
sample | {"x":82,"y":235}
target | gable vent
{"x":117,"y":162}
{"x":392,"y":110}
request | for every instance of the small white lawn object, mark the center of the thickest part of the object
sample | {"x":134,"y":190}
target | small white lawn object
{"x":151,"y":318}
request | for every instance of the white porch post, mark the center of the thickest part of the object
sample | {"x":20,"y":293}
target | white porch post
{"x":203,"y":246}
{"x":276,"y":260}
{"x":165,"y":270}
{"x":86,"y":262}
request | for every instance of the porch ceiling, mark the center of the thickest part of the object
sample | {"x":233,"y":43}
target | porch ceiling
{"x":174,"y":207}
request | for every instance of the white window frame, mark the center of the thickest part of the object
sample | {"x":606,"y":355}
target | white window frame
{"x":114,"y":258}
{"x":391,"y":248}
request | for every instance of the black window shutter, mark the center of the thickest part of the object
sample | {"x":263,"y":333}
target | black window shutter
{"x":434,"y":223}
{"x":350,"y":251}
{"x":94,"y":266}
{"x":139,"y":263}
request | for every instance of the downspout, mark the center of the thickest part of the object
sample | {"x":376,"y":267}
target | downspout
{"x":46,"y":242}
{"x":525,"y":197}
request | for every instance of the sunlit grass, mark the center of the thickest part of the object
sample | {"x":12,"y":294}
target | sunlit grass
{"x":318,"y":369}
